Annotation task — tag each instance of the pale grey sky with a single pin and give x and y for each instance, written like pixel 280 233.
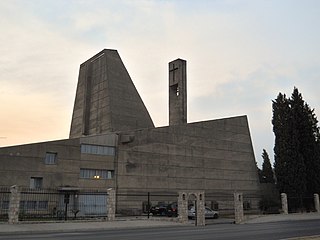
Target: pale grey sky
pixel 240 55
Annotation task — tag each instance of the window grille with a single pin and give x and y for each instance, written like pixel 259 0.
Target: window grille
pixel 50 158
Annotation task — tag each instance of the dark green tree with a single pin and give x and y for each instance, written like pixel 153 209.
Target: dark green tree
pixel 266 172
pixel 307 131
pixel 280 121
pixel 296 147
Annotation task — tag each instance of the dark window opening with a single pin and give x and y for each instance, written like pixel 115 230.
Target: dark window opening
pixel 50 158
pixel 36 182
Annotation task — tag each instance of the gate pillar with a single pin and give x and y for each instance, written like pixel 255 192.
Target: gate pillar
pixel 111 204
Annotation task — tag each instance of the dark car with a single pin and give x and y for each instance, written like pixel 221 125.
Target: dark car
pixel 160 209
pixel 172 210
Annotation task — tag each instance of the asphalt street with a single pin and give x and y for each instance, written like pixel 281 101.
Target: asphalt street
pixel 257 231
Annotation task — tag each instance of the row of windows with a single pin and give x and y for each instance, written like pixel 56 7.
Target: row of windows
pixel 98 150
pixel 37 182
pixel 96 173
pixel 51 157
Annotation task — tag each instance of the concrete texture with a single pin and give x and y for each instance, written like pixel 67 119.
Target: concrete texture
pixel 177 92
pixel 106 98
pixel 20 163
pixel 214 156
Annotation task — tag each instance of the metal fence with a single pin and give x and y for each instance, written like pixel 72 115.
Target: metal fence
pixel 295 204
pixel 300 204
pixel 251 204
pixel 53 204
pixel 160 204
pixel 221 202
pixel 4 203
pixel 48 204
pixel 149 204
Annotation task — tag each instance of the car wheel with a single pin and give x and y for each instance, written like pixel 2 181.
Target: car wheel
pixel 215 216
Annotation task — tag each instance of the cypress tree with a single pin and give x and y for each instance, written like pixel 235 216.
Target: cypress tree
pixel 280 121
pixel 307 130
pixel 266 172
pixel 297 141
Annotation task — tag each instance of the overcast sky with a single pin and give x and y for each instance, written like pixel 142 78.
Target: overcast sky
pixel 240 54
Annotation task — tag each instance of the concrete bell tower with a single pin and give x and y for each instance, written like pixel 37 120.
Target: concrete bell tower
pixel 177 92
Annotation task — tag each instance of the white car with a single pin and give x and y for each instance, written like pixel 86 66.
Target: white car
pixel 209 213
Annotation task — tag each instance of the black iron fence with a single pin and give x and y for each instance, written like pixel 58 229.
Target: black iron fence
pixel 53 204
pixel 149 204
pixel 221 202
pixel 159 204
pixel 48 204
pixel 4 203
pixel 251 204
pixel 295 204
pixel 300 203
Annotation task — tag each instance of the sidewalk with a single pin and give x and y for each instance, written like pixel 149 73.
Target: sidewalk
pixel 282 217
pixel 34 227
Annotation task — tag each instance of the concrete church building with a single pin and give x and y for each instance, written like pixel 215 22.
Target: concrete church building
pixel 113 142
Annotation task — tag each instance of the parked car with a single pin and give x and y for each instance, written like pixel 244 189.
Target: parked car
pixel 172 210
pixel 160 209
pixel 209 213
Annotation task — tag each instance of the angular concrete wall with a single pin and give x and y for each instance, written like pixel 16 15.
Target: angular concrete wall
pixel 106 98
pixel 213 156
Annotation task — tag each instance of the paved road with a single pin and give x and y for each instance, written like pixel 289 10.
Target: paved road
pixel 259 231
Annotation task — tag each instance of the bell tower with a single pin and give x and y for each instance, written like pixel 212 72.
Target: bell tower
pixel 177 92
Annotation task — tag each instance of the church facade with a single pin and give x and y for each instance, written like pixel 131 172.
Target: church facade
pixel 113 143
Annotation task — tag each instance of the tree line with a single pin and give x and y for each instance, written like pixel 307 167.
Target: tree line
pixel 297 148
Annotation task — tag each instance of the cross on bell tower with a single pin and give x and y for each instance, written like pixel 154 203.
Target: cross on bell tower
pixel 177 92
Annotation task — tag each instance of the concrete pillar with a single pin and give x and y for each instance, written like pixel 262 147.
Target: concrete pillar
pixel 111 204
pixel 177 92
pixel 14 204
pixel 238 208
pixel 316 202
pixel 200 221
pixel 183 207
pixel 284 203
